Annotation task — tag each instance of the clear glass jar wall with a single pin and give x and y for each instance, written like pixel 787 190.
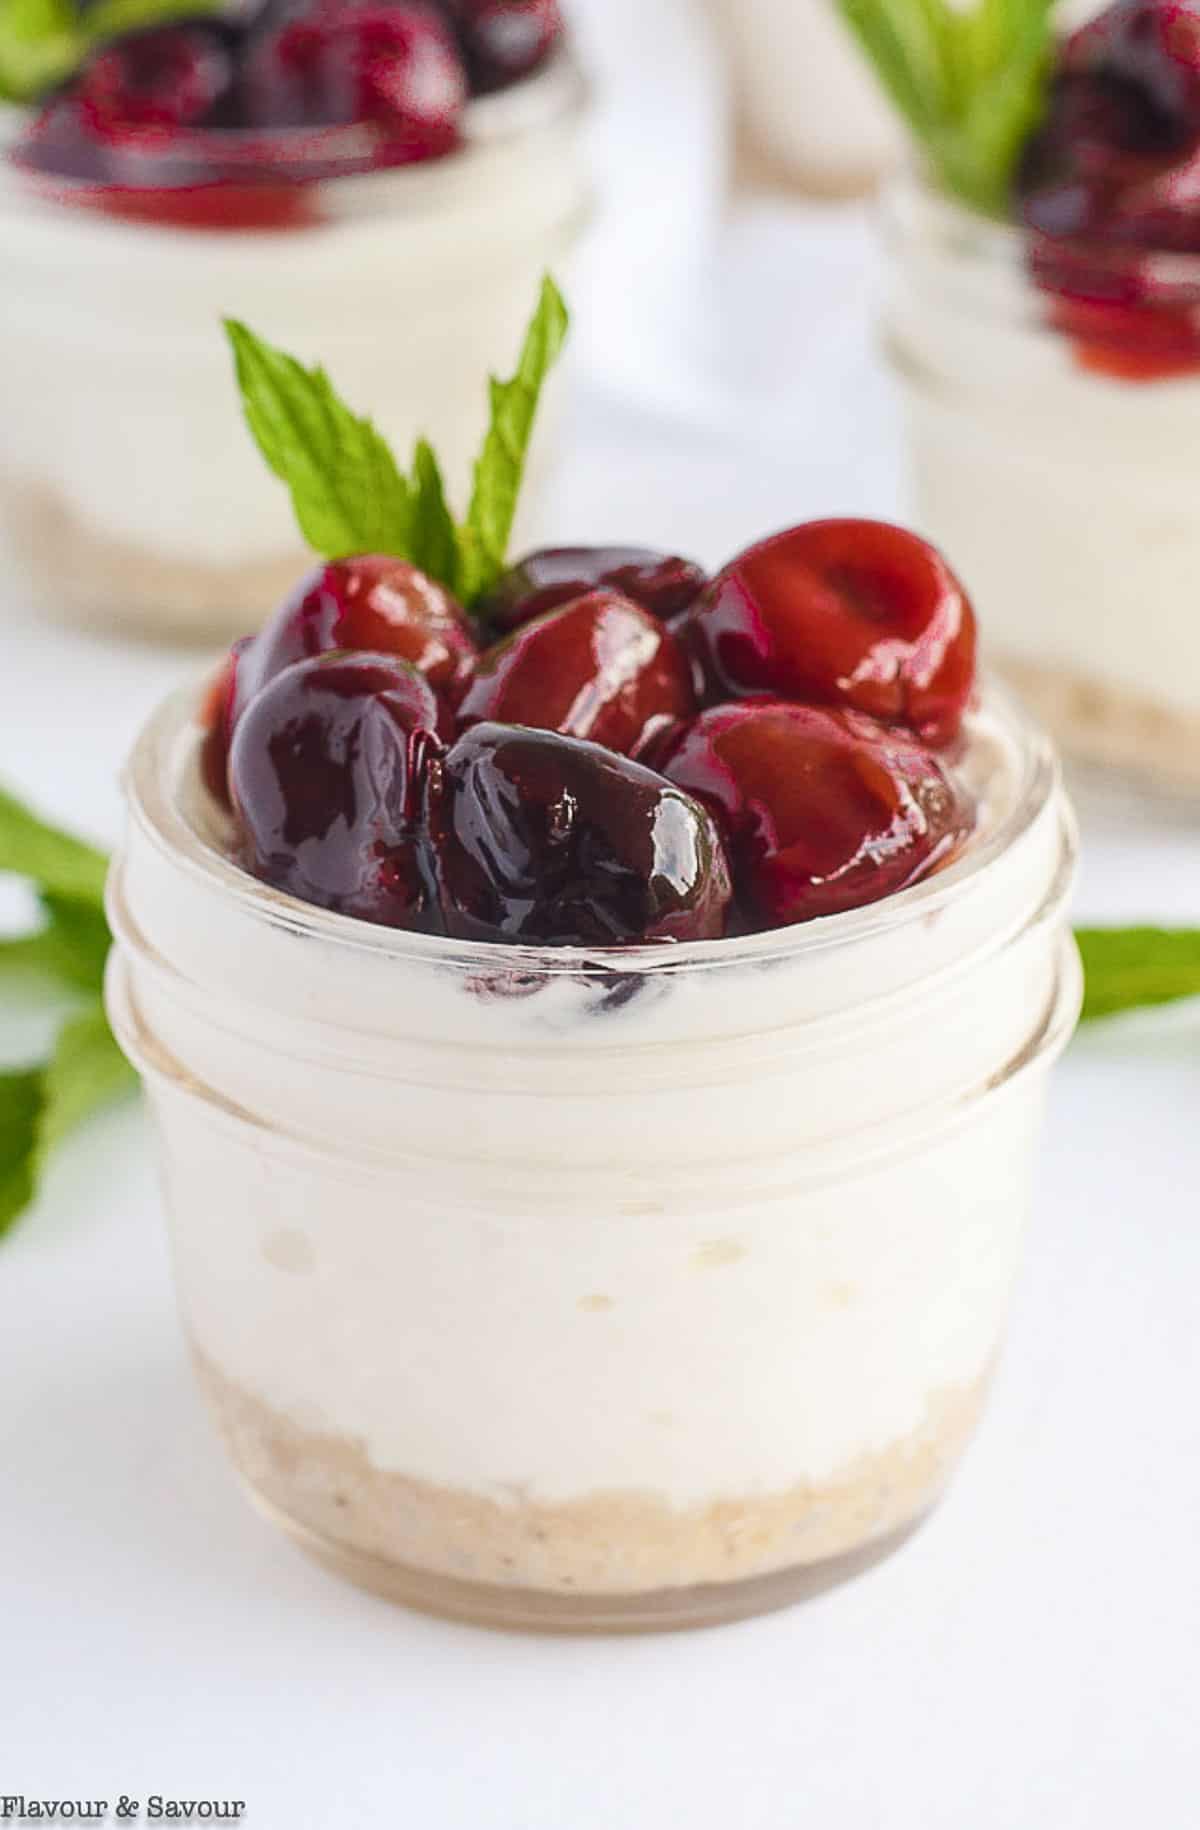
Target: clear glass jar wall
pixel 642 1288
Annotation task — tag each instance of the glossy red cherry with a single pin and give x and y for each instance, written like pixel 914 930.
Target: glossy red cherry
pixel 1114 156
pixel 1110 182
pixel 327 774
pixel 1150 51
pixel 392 65
pixel 1128 316
pixel 372 601
pixel 662 583
pixel 173 76
pixel 599 668
pixel 504 40
pixel 216 719
pixel 854 613
pixel 549 840
pixel 822 810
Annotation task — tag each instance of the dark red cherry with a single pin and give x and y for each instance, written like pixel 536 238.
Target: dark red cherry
pixel 854 613
pixel 172 76
pixel 822 810
pixel 662 583
pixel 1127 314
pixel 327 775
pixel 504 40
pixel 549 840
pixel 217 718
pixel 1112 157
pixel 374 602
pixel 599 668
pixel 1151 48
pixel 392 65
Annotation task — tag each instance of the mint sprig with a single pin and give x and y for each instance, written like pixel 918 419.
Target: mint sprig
pixel 1132 968
pixel 969 81
pixel 501 463
pixel 70 946
pixel 349 494
pixel 41 1103
pixel 43 42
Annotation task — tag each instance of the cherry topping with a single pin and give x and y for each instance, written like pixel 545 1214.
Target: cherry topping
pixel 822 810
pixel 393 65
pixel 660 582
pixel 169 77
pixel 1112 158
pixel 599 668
pixel 504 40
pixel 1128 315
pixel 217 716
pixel 372 601
pixel 854 613
pixel 1147 52
pixel 549 840
pixel 327 773
pixel 1110 180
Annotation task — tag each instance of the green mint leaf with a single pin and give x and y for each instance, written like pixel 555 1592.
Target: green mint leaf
pixel 113 18
pixel 501 462
pixel 903 71
pixel 433 538
pixel 40 1106
pixel 54 860
pixel 86 1070
pixel 347 492
pixel 41 42
pixel 1129 968
pixel 79 935
pixel 970 82
pixel 71 947
pixel 20 1110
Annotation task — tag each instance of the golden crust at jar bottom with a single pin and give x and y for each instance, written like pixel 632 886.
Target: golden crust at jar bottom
pixel 604 1544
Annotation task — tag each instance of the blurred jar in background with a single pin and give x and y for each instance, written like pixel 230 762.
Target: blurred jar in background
pixel 1053 453
pixel 375 187
pixel 810 112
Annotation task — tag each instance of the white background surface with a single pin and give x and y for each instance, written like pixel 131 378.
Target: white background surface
pixel 1026 1663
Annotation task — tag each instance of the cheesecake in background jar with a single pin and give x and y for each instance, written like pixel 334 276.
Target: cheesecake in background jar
pixel 1043 323
pixel 380 183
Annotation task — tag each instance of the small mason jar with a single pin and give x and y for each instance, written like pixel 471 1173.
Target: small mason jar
pixel 131 495
pixel 549 1287
pixel 1070 498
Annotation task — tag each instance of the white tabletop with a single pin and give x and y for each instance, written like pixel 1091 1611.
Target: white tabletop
pixel 1027 1661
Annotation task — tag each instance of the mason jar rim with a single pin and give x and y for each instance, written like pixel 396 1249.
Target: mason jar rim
pixel 168 744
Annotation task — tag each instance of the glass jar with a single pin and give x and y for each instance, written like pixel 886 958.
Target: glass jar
pixel 557 1288
pixel 131 494
pixel 1068 497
